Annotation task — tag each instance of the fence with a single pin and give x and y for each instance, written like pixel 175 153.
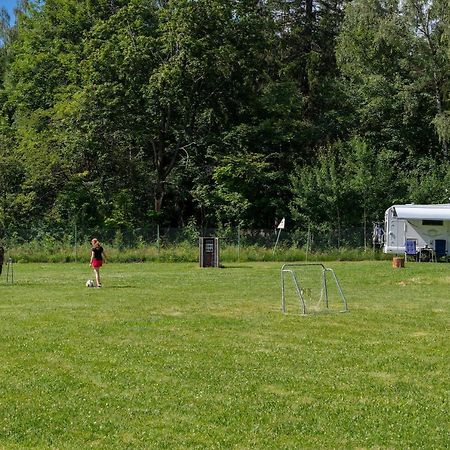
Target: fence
pixel 311 240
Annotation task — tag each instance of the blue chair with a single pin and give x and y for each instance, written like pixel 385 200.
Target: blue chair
pixel 440 248
pixel 411 249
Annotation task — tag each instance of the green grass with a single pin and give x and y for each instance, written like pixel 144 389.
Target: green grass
pixel 171 356
pixel 57 252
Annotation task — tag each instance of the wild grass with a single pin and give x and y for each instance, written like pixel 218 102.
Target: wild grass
pixel 184 252
pixel 171 356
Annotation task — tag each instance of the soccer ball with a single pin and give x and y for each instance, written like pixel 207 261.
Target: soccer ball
pixel 89 283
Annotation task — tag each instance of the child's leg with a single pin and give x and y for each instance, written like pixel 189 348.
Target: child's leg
pixel 97 275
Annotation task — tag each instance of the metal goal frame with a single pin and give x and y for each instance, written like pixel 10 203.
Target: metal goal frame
pixel 290 268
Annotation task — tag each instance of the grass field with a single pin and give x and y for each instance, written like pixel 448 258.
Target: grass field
pixel 171 356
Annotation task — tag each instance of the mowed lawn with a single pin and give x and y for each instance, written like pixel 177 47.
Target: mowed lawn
pixel 171 356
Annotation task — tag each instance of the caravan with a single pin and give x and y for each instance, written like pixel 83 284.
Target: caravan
pixel 423 230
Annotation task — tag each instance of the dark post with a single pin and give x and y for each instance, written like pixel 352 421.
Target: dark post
pixel 209 251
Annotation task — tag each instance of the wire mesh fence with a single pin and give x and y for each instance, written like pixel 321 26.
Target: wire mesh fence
pixel 160 236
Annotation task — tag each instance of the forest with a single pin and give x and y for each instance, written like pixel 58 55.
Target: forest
pixel 124 114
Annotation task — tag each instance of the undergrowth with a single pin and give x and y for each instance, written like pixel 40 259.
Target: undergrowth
pixel 184 252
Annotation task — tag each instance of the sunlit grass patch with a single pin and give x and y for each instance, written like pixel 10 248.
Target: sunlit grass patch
pixel 174 356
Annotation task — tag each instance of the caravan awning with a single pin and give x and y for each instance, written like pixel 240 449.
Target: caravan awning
pixel 423 212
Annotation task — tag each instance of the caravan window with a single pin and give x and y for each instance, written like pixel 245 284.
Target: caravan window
pixel 433 222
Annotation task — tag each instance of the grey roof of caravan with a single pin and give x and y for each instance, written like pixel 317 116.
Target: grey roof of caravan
pixel 422 212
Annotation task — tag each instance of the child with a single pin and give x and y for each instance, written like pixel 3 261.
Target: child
pixel 98 257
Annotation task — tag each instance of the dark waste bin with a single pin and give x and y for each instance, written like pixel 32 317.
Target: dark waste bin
pixel 209 251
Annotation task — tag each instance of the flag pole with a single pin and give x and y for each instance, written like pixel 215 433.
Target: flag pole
pixel 280 227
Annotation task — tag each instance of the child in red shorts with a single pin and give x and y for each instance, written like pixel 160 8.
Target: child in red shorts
pixel 98 257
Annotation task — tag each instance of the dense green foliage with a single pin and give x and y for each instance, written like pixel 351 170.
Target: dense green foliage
pixel 130 113
pixel 170 356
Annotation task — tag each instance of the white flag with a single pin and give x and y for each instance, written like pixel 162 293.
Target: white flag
pixel 281 224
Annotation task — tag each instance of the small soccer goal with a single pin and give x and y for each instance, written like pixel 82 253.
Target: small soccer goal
pixel 312 289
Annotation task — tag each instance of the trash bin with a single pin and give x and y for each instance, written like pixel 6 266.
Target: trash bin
pixel 209 251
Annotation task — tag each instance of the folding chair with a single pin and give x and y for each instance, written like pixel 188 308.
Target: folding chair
pixel 411 249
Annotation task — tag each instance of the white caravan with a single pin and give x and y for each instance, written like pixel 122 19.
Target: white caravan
pixel 427 226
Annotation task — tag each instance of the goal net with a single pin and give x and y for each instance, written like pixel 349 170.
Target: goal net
pixel 312 287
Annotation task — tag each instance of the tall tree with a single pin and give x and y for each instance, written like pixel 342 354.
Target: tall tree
pixel 39 84
pixel 160 79
pixel 380 55
pixel 307 32
pixel 430 23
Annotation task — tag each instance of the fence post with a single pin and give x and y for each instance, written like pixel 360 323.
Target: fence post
pixel 239 242
pixel 157 239
pixel 76 238
pixel 307 241
pixel 365 231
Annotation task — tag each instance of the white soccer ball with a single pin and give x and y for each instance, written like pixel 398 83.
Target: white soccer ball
pixel 89 283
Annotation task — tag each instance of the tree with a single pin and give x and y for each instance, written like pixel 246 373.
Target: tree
pixel 429 21
pixel 40 80
pixel 305 54
pixel 383 59
pixel 159 80
pixel 320 193
pixel 350 183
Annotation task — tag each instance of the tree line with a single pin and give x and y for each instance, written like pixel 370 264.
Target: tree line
pixel 127 113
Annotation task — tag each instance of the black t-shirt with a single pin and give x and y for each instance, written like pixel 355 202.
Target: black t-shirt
pixel 98 253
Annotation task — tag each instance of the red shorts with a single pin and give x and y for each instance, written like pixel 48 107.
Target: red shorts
pixel 97 263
